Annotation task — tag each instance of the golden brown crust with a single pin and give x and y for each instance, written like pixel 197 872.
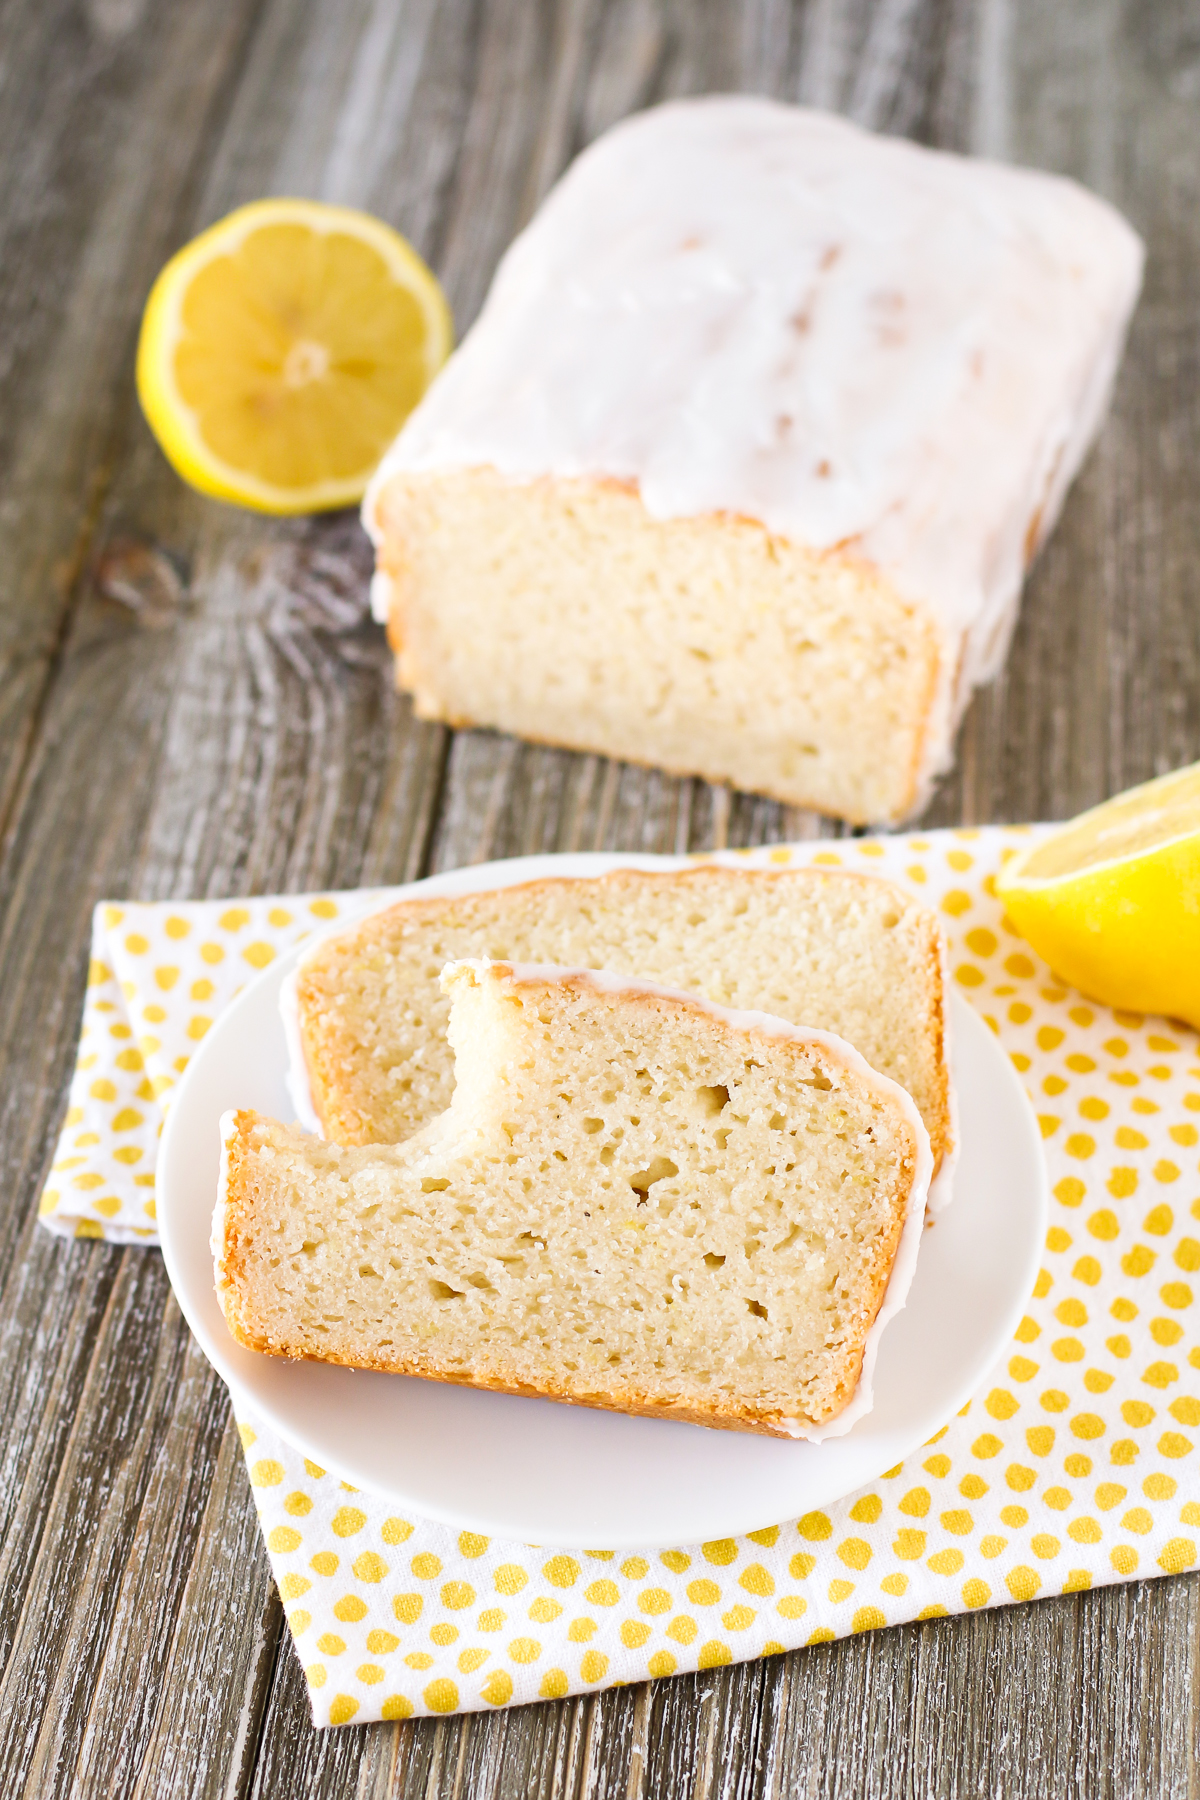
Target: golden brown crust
pixel 921 738
pixel 619 1400
pixel 350 1126
pixel 227 1247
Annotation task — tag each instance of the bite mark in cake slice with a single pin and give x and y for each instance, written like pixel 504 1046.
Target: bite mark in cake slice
pixel 635 1200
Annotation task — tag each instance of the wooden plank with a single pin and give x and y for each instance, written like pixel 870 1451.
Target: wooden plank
pixel 71 1595
pixel 81 238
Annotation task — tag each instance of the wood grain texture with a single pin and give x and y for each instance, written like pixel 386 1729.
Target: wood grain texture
pixel 192 701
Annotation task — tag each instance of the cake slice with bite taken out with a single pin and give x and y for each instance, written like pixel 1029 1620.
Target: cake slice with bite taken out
pixel 636 1200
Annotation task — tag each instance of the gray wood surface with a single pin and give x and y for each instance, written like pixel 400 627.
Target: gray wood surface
pixel 192 701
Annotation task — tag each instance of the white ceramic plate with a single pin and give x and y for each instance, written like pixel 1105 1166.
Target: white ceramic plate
pixel 552 1474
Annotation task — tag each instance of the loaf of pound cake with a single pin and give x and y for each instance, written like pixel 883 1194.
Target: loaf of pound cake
pixel 741 467
pixel 819 947
pixel 634 1200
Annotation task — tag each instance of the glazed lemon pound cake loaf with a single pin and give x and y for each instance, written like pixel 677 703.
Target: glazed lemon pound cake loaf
pixel 824 948
pixel 740 469
pixel 635 1200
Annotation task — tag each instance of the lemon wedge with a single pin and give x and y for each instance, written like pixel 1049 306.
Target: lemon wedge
pixel 1112 901
pixel 282 350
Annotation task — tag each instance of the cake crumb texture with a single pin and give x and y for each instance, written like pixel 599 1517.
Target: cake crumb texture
pixel 633 1201
pixel 827 949
pixel 562 611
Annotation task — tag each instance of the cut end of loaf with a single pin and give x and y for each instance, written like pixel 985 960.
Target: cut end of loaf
pixel 560 610
pixel 635 1200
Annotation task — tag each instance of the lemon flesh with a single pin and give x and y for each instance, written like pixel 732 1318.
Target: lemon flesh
pixel 1112 901
pixel 282 350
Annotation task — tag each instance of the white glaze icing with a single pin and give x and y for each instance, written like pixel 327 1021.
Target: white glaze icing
pixel 904 1265
pixel 764 310
pixel 296 1079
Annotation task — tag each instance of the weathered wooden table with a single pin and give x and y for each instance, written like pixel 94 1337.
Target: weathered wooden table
pixel 193 702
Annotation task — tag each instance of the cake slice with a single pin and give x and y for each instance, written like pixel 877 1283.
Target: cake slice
pixel 819 947
pixel 741 467
pixel 634 1200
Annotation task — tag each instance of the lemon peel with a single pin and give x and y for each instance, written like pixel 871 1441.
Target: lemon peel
pixel 283 348
pixel 1112 900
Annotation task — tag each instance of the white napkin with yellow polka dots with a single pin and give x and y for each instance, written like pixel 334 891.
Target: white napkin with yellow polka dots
pixel 1076 1464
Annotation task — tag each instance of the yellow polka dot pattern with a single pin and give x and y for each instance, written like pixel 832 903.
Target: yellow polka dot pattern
pixel 157 978
pixel 1075 1465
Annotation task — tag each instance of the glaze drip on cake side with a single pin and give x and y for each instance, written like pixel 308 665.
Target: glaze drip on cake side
pixel 756 309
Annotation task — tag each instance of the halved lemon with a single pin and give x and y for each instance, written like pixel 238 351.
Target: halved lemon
pixel 282 350
pixel 1112 901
